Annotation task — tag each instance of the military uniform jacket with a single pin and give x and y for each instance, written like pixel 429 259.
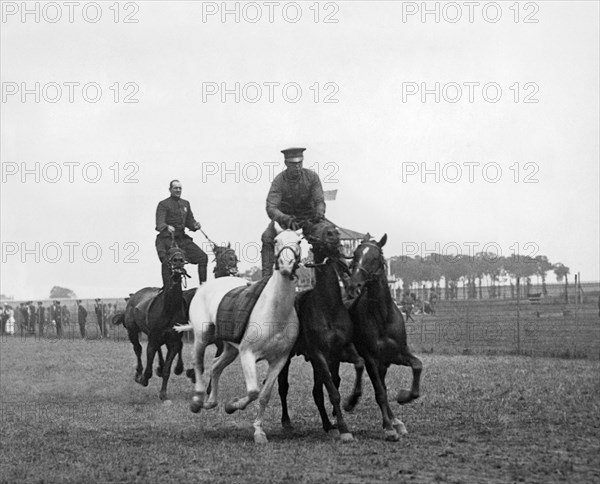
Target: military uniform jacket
pixel 302 198
pixel 175 212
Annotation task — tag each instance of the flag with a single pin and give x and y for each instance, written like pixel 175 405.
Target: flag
pixel 330 194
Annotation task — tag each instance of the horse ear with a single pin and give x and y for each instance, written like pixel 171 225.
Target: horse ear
pixel 278 228
pixel 299 232
pixel 367 237
pixel 383 240
pixel 229 245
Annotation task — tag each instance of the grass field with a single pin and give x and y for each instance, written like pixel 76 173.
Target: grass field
pixel 71 412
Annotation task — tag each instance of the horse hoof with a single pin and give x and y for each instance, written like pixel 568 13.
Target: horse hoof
pixel 230 407
pixel 346 437
pixel 391 436
pixel 404 396
pixel 158 372
pixel 400 427
pixel 334 433
pixel 144 382
pixel 178 371
pixel 195 407
pixel 349 405
pixel 210 405
pixel 260 438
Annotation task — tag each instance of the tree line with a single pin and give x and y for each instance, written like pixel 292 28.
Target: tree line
pixel 474 272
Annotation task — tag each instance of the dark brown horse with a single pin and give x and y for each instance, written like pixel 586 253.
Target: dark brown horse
pixel 155 311
pixel 380 334
pixel 326 331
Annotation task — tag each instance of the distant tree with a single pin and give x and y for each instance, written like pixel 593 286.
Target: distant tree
pixel 543 266
pixel 61 292
pixel 560 270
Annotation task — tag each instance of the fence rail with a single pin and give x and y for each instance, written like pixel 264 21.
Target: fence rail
pixel 548 327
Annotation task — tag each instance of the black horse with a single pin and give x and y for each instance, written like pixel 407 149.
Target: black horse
pixel 155 311
pixel 380 334
pixel 226 261
pixel 326 331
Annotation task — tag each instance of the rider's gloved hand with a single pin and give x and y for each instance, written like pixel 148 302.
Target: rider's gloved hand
pixel 286 221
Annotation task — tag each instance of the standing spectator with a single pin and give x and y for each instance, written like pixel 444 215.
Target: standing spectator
pixel 99 310
pixel 10 319
pixel 25 317
pixel 4 318
pixel 57 318
pixel 81 318
pixel 407 304
pixel 41 318
pixel 32 316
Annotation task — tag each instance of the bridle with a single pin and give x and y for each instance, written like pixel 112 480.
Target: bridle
pixel 231 269
pixel 370 276
pixel 296 258
pixel 177 267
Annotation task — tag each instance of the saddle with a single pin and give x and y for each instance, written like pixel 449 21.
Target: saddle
pixel 235 309
pixel 143 307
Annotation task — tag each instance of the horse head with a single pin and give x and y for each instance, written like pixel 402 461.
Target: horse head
pixel 226 260
pixel 176 261
pixel 368 264
pixel 324 237
pixel 287 251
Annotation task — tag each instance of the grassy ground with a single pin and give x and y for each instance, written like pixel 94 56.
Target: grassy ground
pixel 71 412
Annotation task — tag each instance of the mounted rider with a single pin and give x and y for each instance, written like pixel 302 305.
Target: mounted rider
pixel 295 198
pixel 173 215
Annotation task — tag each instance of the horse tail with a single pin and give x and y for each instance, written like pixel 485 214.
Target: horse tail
pixel 118 318
pixel 180 328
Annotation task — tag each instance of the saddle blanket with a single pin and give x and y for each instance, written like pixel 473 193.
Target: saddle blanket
pixel 235 309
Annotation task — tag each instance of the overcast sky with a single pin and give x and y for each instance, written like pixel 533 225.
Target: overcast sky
pixel 471 132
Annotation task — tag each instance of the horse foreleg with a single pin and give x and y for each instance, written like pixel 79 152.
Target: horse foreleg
pixel 284 386
pixel 381 398
pixel 398 425
pixel 134 337
pixel 173 348
pixel 359 368
pixel 227 356
pixel 151 349
pixel 319 397
pixel 248 361
pixel 179 366
pixel 328 378
pixel 275 368
pixel 161 362
pixel 405 396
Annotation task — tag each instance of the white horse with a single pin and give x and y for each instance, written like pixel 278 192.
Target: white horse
pixel 270 335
